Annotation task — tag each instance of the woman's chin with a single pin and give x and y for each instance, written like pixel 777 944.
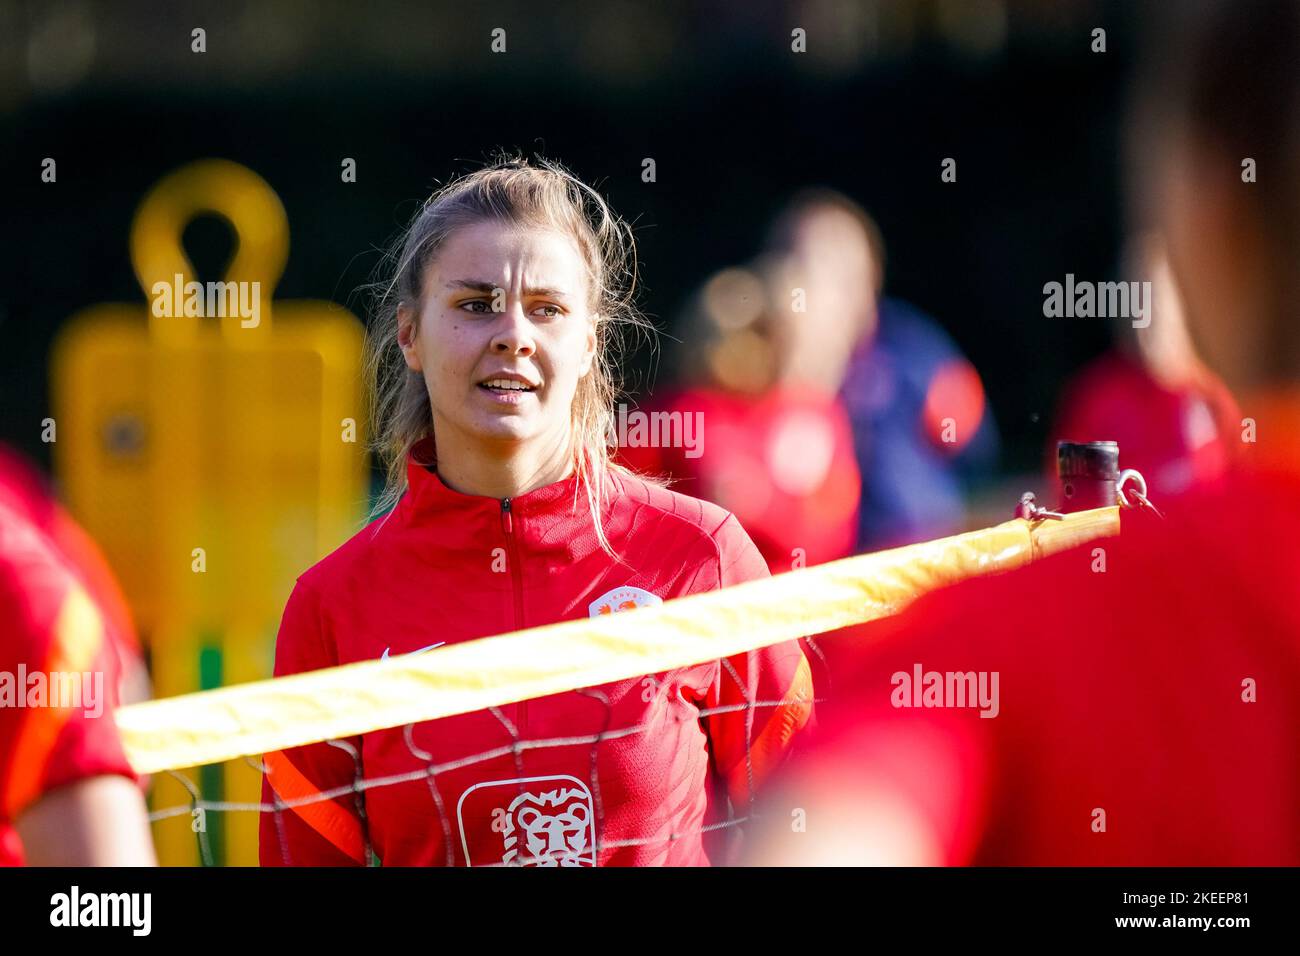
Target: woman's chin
pixel 515 428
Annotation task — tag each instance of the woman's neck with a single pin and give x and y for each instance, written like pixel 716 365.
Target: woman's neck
pixel 503 471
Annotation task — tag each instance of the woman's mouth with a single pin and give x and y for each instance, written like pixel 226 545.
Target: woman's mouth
pixel 507 391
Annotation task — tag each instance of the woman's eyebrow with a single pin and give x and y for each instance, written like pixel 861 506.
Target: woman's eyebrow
pixel 478 285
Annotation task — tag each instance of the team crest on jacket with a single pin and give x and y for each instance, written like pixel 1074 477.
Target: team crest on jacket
pixel 623 599
pixel 539 821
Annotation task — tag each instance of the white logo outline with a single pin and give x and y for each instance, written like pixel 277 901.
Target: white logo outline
pixel 589 853
pixel 627 594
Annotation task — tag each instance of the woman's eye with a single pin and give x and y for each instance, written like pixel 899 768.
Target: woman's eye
pixel 550 311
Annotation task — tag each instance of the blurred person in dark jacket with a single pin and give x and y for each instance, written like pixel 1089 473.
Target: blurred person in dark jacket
pixel 921 427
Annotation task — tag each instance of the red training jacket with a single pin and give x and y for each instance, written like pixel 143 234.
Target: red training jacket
pixel 446 567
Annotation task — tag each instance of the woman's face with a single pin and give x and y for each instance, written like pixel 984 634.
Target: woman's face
pixel 503 335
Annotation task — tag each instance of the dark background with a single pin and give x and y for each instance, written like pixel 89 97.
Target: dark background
pixel 710 90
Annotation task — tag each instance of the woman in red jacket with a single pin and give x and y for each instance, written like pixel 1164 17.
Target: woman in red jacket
pixel 493 389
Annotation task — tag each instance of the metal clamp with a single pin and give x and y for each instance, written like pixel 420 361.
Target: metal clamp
pixel 1030 510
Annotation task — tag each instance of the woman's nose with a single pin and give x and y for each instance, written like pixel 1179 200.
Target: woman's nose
pixel 514 333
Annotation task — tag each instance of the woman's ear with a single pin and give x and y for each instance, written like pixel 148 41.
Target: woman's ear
pixel 406 325
pixel 589 356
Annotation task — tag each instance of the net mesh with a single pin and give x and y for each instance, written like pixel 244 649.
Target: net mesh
pixel 209 751
pixel 212 826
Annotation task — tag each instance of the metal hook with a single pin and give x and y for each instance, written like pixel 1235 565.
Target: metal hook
pixel 1139 493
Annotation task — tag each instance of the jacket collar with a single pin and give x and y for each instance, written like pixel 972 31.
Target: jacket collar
pixel 427 495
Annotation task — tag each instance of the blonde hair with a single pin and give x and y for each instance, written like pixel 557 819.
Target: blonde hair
pixel 508 190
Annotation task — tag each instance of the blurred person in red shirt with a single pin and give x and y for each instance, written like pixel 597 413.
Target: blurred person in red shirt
pixel 1134 701
pixel 756 424
pixel 68 796
pixel 25 496
pixel 25 491
pixel 1173 418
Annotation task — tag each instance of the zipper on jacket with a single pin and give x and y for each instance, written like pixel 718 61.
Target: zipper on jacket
pixel 516 576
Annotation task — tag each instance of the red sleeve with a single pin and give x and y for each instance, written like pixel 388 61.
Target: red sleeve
pixel 771 688
pixel 58 676
pixel 310 829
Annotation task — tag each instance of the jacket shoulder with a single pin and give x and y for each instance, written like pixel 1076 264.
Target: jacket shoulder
pixel 340 563
pixel 695 512
pixel 710 527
